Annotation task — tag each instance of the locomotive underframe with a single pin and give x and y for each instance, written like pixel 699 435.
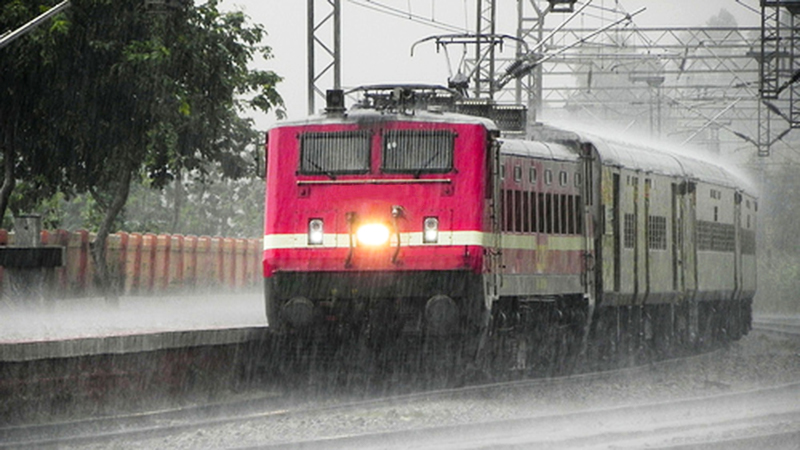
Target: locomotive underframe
pixel 376 303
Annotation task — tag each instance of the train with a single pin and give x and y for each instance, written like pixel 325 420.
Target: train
pixel 417 212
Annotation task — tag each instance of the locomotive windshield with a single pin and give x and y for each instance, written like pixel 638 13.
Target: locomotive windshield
pixel 334 153
pixel 418 151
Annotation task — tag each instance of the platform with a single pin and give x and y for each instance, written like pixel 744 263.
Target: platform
pixel 77 327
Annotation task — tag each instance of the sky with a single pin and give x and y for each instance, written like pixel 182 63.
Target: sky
pixel 376 46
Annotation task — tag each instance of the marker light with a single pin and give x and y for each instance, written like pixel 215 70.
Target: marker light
pixel 315 232
pixel 373 234
pixel 430 230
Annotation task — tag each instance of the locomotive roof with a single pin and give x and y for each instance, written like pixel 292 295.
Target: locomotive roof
pixel 650 158
pixel 368 115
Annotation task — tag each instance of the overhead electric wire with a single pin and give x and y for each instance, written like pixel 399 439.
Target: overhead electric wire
pixel 611 10
pixel 408 15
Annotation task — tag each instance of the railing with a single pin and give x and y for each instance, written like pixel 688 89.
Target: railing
pixel 143 264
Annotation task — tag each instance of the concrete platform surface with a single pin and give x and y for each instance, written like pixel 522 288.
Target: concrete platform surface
pixel 73 327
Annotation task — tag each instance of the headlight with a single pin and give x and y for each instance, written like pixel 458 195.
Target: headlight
pixel 315 232
pixel 430 230
pixel 373 234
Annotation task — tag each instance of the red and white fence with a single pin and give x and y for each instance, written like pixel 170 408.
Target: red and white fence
pixel 142 264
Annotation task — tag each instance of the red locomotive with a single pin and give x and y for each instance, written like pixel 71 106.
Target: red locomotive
pixel 415 211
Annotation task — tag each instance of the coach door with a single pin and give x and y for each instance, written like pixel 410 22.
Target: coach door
pixel 590 210
pixel 737 267
pixel 685 250
pixel 686 258
pixel 615 218
pixel 677 239
pixel 493 259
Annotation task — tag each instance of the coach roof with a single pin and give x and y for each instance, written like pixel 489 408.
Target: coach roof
pixel 649 158
pixel 538 149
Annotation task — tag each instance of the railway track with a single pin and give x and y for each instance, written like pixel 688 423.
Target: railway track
pixel 419 414
pixel 773 415
pixel 170 421
pixel 778 325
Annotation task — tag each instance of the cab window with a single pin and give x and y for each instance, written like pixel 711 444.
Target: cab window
pixel 418 151
pixel 335 153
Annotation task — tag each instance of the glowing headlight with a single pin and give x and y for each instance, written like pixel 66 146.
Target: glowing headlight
pixel 315 232
pixel 430 230
pixel 373 234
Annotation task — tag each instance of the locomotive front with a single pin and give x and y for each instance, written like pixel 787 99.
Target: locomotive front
pixel 375 221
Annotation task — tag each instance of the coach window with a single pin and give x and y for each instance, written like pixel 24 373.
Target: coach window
pixel 532 174
pixel 562 178
pixel 541 213
pixel 526 211
pixel 548 177
pixel 629 238
pixel 517 173
pixel 518 213
pixel 578 181
pixel 503 172
pixel 508 209
pixel 418 151
pixel 570 214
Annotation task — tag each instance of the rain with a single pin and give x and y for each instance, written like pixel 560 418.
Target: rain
pixel 151 295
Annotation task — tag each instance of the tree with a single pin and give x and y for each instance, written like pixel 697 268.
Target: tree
pixel 723 19
pixel 24 90
pixel 137 93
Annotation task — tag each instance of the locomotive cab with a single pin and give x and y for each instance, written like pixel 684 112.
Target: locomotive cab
pixel 376 219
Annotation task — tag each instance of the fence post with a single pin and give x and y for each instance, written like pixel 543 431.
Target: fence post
pixel 133 265
pixel 116 257
pixel 148 263
pixel 206 262
pixel 175 262
pixel 190 262
pixel 78 262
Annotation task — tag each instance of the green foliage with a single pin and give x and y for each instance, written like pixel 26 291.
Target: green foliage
pixel 724 19
pixel 116 91
pixel 112 87
pixel 218 207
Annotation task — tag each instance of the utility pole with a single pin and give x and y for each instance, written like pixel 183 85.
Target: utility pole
pixel 485 57
pixel 779 60
pixel 530 27
pixel 329 45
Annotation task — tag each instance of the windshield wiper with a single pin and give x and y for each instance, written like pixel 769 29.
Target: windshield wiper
pixel 425 166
